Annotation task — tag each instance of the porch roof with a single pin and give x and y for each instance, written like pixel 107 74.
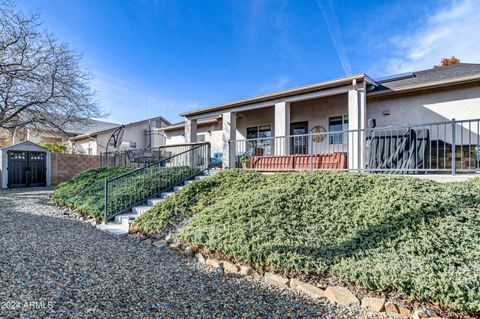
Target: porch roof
pixel 281 94
pixel 429 78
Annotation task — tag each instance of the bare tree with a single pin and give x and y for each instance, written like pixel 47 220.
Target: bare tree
pixel 41 82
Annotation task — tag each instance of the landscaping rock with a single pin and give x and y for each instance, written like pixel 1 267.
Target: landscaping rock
pixel 255 275
pixel 424 313
pixel 62 261
pixel 419 314
pixel 230 268
pixel 213 263
pixel 246 270
pixel 311 290
pixel 430 313
pixel 160 243
pixel 275 280
pixel 293 283
pixel 404 311
pixel 175 245
pixel 391 308
pixel 188 252
pixel 341 296
pixel 200 258
pixel 147 242
pixel 373 304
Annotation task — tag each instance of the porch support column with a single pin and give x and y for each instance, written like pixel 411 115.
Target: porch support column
pixel 190 131
pixel 362 97
pixel 356 121
pixel 229 128
pixel 281 128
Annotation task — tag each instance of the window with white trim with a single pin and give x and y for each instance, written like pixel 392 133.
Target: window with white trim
pixel 338 124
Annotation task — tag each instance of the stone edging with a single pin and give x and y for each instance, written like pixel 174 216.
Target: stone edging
pixel 335 294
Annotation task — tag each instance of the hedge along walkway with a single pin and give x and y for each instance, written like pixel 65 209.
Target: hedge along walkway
pixel 78 271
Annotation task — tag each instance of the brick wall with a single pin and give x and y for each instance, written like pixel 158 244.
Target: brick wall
pixel 65 166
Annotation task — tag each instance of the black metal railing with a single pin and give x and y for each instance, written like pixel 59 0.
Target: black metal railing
pixel 437 147
pixel 142 157
pixel 124 191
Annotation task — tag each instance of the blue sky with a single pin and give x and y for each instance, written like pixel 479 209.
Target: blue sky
pixel 174 56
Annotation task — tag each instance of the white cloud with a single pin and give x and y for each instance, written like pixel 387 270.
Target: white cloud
pixel 451 31
pixel 126 102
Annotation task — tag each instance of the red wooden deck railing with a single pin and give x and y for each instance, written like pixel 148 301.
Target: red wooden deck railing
pixel 329 161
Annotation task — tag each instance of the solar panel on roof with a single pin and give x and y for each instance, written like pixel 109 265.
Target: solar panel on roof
pixel 395 77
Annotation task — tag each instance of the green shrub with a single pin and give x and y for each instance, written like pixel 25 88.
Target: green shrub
pixel 55 147
pixel 146 183
pixel 195 197
pixel 380 232
pixel 85 191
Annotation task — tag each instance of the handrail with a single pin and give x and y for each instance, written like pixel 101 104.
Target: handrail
pixel 374 129
pixel 444 146
pixel 140 157
pixel 129 189
pixel 151 164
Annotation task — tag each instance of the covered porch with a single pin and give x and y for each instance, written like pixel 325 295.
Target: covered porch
pixel 304 128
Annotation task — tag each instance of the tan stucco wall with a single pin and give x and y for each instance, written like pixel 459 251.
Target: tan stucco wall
pixel 259 117
pixel 211 133
pixel 173 137
pixel 438 106
pixel 316 112
pixel 132 134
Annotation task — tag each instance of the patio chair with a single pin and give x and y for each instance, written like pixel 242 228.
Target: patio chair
pixel 217 159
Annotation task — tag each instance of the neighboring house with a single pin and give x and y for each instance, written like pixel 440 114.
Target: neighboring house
pixel 433 95
pixel 208 130
pixel 137 135
pixel 38 135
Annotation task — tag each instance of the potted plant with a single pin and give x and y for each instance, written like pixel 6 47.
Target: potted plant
pixel 245 159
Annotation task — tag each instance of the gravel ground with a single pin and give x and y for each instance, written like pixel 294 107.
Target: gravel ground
pixel 53 266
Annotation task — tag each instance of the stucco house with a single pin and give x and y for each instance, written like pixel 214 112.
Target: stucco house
pixel 137 135
pixel 38 134
pixel 273 124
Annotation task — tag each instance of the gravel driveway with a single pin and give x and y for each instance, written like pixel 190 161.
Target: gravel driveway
pixel 52 266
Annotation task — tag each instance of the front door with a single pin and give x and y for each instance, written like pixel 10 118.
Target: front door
pixel 299 144
pixel 26 169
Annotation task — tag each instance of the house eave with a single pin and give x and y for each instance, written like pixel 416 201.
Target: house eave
pixel 429 85
pixel 280 94
pixel 182 125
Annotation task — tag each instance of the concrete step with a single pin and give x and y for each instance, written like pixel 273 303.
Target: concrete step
pixel 165 195
pixel 139 210
pixel 114 229
pixel 200 177
pixel 124 218
pixel 188 182
pixel 212 171
pixel 178 188
pixel 155 201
